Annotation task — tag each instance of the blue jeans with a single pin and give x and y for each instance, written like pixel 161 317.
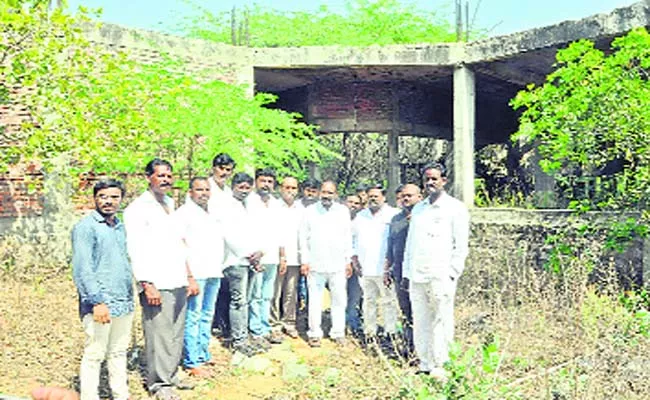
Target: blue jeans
pixel 353 309
pixel 262 288
pixel 198 323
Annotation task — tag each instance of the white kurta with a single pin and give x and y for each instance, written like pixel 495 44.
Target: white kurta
pixel 326 246
pixel 370 239
pixel 436 248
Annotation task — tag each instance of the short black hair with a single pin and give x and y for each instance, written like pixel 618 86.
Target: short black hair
pixel 223 159
pixel 265 172
pixel 310 183
pixel 241 177
pixel 197 178
pixel 399 188
pixel 151 165
pixel 435 165
pixel 378 186
pixel 361 187
pixel 336 186
pixel 108 183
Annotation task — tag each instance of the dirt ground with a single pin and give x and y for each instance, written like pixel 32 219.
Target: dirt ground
pixel 42 342
pixel 536 350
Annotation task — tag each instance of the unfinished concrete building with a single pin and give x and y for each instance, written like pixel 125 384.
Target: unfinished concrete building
pixel 454 91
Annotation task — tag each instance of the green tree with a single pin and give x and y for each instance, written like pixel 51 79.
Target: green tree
pixel 364 23
pixel 108 114
pixel 591 122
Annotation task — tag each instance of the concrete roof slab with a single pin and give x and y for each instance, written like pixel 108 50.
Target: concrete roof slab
pixel 618 22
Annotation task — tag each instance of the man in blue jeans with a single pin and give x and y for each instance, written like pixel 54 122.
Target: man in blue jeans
pixel 204 241
pixel 266 214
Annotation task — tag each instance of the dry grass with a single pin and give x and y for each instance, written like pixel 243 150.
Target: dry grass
pixel 557 338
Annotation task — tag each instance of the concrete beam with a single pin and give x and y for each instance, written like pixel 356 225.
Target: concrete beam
pixel 464 127
pixel 616 23
pixel 317 56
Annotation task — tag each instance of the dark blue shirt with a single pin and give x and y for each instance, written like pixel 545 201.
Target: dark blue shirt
pixel 100 266
pixel 399 228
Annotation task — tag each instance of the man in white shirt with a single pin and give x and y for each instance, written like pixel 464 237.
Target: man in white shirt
pixel 353 307
pixel 285 299
pixel 241 264
pixel 223 166
pixel 158 262
pixel 436 249
pixel 325 251
pixel 204 241
pixel 369 242
pixel 220 193
pixel 266 215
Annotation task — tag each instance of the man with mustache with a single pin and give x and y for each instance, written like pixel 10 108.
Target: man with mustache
pixel 158 261
pixel 362 191
pixel 353 307
pixel 409 195
pixel 369 241
pixel 436 248
pixel 242 264
pixel 204 239
pixel 310 192
pixel 325 251
pixel 223 166
pixel 103 277
pixel 266 213
pixel 221 194
pixel 283 309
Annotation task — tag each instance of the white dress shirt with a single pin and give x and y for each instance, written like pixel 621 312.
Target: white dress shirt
pixel 220 199
pixel 239 224
pixel 154 243
pixel 203 238
pixel 267 220
pixel 291 218
pixel 326 238
pixel 370 239
pixel 437 241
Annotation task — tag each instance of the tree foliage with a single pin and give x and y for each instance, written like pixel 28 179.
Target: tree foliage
pixel 364 23
pixel 110 114
pixel 591 120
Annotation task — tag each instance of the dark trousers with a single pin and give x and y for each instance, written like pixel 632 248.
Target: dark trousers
pixel 404 300
pixel 238 277
pixel 285 299
pixel 221 315
pixel 353 308
pixel 163 328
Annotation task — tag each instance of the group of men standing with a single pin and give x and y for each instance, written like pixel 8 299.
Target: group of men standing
pixel 264 247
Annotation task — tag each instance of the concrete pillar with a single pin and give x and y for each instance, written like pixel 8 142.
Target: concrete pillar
pixel 393 165
pixel 544 195
pixel 393 172
pixel 464 127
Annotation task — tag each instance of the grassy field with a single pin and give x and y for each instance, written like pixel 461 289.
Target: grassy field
pixel 594 346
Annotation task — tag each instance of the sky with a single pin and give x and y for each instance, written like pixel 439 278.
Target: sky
pixel 501 16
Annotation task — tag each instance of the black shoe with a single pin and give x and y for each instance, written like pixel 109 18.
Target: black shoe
pixel 260 343
pixel 246 349
pixel 275 338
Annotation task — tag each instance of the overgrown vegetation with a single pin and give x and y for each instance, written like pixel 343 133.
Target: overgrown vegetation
pixel 110 114
pixel 591 120
pixel 363 23
pixel 104 113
